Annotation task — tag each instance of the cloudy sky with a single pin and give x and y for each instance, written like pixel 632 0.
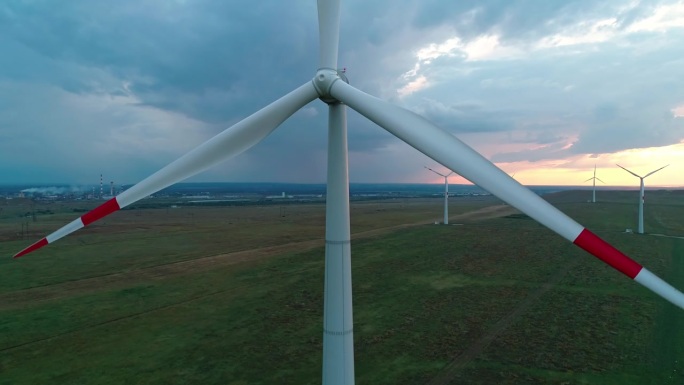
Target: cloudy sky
pixel 544 89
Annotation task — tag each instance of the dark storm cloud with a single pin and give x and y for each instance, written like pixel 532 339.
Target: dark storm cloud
pixel 175 55
pixel 139 83
pixel 612 97
pixel 513 20
pixel 465 117
pixel 552 151
pixel 617 130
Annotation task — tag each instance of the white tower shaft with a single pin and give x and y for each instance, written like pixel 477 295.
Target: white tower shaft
pixel 338 335
pixel 446 193
pixel 640 228
pixel 593 190
pixel 446 200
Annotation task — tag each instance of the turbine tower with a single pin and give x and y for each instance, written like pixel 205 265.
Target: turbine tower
pixel 331 86
pixel 640 228
pixel 593 190
pixel 446 193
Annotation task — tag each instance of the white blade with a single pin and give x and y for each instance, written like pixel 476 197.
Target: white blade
pixel 653 172
pixel 630 171
pixel 454 154
pixel 230 142
pixel 444 148
pixel 599 179
pixel 329 32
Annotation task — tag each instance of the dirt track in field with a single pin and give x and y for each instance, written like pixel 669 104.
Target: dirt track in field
pixel 453 368
pixel 24 297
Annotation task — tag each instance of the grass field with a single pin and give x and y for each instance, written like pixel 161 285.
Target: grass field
pixel 495 300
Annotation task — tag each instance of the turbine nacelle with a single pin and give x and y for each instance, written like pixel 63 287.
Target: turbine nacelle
pixel 439 173
pixel 323 82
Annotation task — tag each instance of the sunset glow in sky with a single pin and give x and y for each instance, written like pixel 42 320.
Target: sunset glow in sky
pixel 546 90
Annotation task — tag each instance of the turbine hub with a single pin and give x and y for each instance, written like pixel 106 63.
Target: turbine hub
pixel 323 82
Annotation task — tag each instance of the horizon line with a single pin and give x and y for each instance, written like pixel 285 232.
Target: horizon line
pixel 62 184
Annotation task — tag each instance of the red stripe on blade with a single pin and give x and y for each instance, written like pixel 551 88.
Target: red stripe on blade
pixel 100 211
pixel 33 247
pixel 607 253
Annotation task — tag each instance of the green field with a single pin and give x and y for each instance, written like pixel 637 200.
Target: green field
pixel 490 301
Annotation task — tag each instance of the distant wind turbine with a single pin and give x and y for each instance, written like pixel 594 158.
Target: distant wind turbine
pixel 446 193
pixel 593 191
pixel 640 229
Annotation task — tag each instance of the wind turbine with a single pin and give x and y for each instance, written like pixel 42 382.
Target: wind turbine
pixel 446 193
pixel 640 228
pixel 331 86
pixel 593 190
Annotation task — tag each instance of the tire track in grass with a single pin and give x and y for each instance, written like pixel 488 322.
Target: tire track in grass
pixel 90 285
pixel 160 271
pixel 151 310
pixel 447 375
pixel 30 296
pixel 112 281
pixel 122 318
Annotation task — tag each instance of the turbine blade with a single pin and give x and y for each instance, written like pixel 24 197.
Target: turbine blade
pixel 653 172
pixel 628 171
pixel 444 148
pixel 230 142
pixel 329 32
pixel 589 179
pixel 598 179
pixel 438 173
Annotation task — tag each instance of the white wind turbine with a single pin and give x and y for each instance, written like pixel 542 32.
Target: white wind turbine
pixel 640 228
pixel 593 190
pixel 446 193
pixel 332 88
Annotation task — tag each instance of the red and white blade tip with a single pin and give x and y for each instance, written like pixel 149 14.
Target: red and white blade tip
pixel 97 213
pixel 33 247
pixel 619 261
